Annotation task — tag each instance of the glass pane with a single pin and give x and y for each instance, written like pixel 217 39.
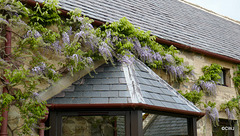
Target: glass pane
pixel 158 125
pixel 221 80
pixel 93 126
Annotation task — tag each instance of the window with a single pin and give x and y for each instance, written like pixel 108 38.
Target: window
pixel 93 125
pixel 225 77
pixel 225 128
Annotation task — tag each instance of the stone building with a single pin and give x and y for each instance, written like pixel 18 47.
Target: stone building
pixel 202 36
pixel 130 92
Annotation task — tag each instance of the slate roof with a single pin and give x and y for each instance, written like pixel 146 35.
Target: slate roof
pixel 122 83
pixel 167 126
pixel 168 19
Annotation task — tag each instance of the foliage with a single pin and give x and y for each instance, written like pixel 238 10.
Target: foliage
pixel 236 78
pixel 207 82
pixel 122 40
pixel 212 112
pixel 230 107
pixel 193 96
pixel 75 44
pixel 47 15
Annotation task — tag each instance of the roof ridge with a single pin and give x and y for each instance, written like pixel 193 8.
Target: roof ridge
pixel 210 11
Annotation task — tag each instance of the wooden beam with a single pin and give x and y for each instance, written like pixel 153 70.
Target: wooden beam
pixel 66 81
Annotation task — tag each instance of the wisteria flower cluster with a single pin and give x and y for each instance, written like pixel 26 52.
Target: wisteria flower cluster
pixel 208 81
pixel 127 43
pixel 43 69
pixel 230 113
pixel 231 107
pixel 207 86
pixel 213 114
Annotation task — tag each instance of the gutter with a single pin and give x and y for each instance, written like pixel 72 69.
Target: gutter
pixel 98 23
pixel 122 106
pixel 7 54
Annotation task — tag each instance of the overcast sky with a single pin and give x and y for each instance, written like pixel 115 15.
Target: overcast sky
pixel 229 8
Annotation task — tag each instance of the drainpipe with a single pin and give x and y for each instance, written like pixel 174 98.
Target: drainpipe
pixel 5 90
pixel 42 124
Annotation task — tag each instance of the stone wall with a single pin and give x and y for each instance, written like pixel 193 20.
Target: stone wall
pixel 224 93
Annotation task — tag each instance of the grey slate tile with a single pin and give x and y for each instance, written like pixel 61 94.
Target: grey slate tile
pixel 118 87
pixel 157 103
pixel 83 87
pixel 99 100
pixel 101 87
pixel 122 80
pixel 168 98
pixel 123 94
pixel 109 94
pixel 62 100
pixel 81 100
pixel 118 100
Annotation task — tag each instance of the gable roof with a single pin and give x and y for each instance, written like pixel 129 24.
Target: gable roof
pixel 170 20
pixel 121 83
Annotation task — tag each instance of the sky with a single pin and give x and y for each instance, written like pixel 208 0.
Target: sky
pixel 229 8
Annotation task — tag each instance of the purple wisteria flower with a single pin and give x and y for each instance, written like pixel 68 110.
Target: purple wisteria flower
pixel 105 50
pixel 37 34
pixel 3 20
pixel 29 33
pixel 41 69
pixel 78 35
pixel 92 41
pixel 230 114
pixel 196 87
pixel 128 58
pixel 79 19
pixel 213 114
pixel 209 86
pixel 108 34
pixel 57 47
pixel 69 32
pixel 7 7
pixel 146 54
pixel 75 57
pixel 157 56
pixel 114 38
pixel 180 71
pixel 86 26
pixel 89 60
pixel 20 22
pixel 169 58
pixel 53 71
pixel 35 94
pixel 33 33
pixel 171 70
pixel 65 38
pixel 137 46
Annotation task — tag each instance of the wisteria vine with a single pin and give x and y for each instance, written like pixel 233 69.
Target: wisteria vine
pixel 209 80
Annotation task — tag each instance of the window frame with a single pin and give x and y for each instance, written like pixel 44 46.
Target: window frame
pixel 133 119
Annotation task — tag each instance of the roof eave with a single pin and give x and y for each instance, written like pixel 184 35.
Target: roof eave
pixel 121 106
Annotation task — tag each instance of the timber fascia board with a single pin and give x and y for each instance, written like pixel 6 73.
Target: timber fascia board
pixel 66 81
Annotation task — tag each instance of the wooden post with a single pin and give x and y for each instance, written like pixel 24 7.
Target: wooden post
pixel 192 126
pixel 136 123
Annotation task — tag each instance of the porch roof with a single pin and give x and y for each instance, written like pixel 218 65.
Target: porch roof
pixel 123 84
